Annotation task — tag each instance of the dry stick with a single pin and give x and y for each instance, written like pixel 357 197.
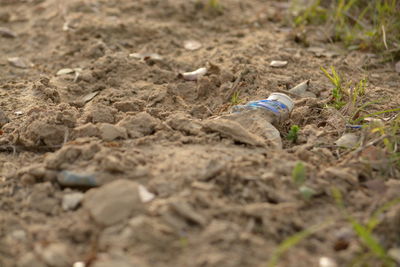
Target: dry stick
pixel 384 37
pixel 66 135
pixel 373 142
pixel 355 19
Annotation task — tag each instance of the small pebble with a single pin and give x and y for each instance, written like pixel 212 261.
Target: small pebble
pixel 278 63
pixel 194 75
pixel 79 264
pixel 145 195
pixel 327 262
pixel 71 201
pixel 19 62
pixel 7 33
pixel 192 45
pixel 65 71
pixel 146 56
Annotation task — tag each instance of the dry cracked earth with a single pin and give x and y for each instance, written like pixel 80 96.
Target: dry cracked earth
pixel 108 157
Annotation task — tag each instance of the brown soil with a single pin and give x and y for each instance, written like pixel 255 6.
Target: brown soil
pixel 220 199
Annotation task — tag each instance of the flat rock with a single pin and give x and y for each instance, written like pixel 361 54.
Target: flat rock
pixel 183 123
pixel 113 202
pixel 301 88
pixel 347 140
pixel 110 132
pixel 19 62
pixel 234 130
pixel 256 122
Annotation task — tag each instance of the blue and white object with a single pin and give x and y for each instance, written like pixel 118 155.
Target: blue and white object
pixel 277 103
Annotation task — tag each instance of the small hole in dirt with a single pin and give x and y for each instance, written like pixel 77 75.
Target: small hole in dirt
pixel 321 124
pixel 362 178
pixel 258 221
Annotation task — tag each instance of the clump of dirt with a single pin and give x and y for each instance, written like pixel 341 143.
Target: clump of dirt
pixel 118 161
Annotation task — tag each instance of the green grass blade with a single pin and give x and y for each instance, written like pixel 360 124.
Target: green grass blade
pixel 367 238
pixel 293 133
pixel 377 113
pixel 374 220
pixel 328 75
pixel 293 241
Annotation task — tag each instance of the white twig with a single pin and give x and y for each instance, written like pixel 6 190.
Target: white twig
pixel 66 135
pixel 384 37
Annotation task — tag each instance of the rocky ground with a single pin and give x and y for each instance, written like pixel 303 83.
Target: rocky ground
pixel 108 157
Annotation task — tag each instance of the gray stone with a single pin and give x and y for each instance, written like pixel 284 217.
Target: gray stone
pixel 77 179
pixel 71 201
pixel 113 202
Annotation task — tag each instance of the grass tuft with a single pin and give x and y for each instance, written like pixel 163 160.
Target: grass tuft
pixel 338 91
pixel 342 92
pixel 235 99
pixel 299 173
pixel 293 133
pixel 359 24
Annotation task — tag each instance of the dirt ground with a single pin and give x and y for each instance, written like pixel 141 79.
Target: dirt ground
pixel 191 194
